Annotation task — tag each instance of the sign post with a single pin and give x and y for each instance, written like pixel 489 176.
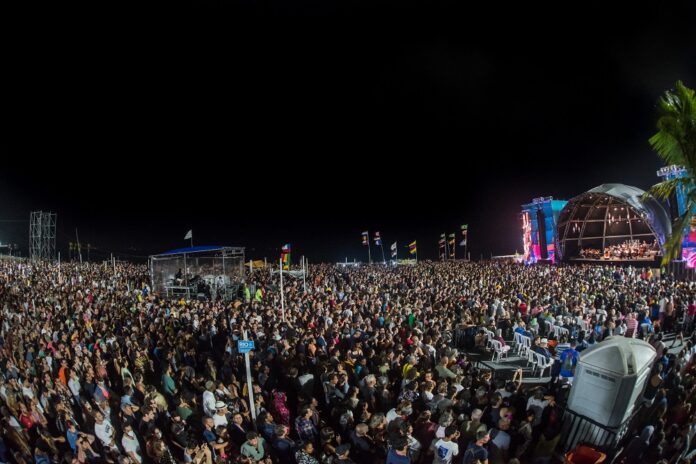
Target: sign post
pixel 244 347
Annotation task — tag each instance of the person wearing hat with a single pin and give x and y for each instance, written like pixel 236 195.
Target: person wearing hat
pixel 220 417
pixel 342 452
pixel 543 348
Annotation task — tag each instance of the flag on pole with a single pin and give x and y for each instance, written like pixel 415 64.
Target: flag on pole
pixel 189 235
pixel 393 250
pixel 285 256
pixel 412 248
pixel 465 229
pixel 378 240
pixel 451 239
pixel 365 238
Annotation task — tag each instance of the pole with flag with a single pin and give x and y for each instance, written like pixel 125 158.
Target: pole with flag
pixel 442 246
pixel 465 231
pixel 394 252
pixel 282 293
pixel 451 241
pixel 304 274
pixel 378 242
pixel 285 256
pixel 413 249
pixel 366 242
pixel 189 236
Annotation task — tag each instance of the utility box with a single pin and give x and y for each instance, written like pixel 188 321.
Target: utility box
pixel 609 379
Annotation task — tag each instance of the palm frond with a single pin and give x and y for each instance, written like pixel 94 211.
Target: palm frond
pixel 664 189
pixel 673 243
pixel 668 148
pixel 675 141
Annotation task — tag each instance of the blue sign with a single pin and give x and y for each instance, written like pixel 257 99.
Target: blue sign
pixel 245 346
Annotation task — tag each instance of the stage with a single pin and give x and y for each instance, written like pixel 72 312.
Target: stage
pixel 651 262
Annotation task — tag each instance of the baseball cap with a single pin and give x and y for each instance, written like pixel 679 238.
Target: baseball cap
pixel 220 405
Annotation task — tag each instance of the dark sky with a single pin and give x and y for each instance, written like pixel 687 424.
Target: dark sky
pixel 292 134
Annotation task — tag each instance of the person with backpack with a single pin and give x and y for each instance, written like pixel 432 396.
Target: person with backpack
pixel 569 359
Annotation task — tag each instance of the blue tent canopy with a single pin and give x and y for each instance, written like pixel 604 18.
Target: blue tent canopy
pixel 196 249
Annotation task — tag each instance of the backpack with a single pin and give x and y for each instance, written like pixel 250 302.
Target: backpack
pixel 568 363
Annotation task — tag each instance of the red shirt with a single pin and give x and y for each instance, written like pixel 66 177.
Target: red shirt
pixel 26 421
pixel 523 308
pixel 692 310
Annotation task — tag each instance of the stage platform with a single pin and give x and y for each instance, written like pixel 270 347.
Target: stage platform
pixel 506 368
pixel 614 260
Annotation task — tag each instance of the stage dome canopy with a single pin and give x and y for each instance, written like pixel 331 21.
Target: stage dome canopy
pixel 600 221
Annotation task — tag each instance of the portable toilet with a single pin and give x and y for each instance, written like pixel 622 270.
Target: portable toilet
pixel 609 378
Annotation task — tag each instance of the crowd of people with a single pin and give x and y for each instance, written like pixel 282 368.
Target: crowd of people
pixel 368 365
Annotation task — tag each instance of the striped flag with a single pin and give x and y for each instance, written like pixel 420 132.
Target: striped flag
pixel 365 238
pixel 465 230
pixel 393 250
pixel 412 248
pixel 378 240
pixel 285 256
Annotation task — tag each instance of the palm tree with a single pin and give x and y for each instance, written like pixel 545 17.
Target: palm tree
pixel 675 143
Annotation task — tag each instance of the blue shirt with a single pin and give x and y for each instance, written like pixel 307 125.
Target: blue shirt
pixel 393 458
pixel 209 436
pixel 574 356
pixel 72 439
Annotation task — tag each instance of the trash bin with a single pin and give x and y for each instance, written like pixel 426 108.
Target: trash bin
pixel 582 454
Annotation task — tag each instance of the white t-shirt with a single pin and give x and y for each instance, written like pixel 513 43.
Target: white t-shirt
pixel 131 445
pixel 445 451
pixel 538 407
pixel 104 431
pixel 219 420
pixel 391 415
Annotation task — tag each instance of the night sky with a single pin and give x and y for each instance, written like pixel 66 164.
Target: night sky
pixel 289 134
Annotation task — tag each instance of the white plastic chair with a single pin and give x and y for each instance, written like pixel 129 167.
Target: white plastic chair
pixel 542 363
pixel 526 345
pixel 498 350
pixel 517 338
pixel 561 331
pixel 531 359
pixel 489 337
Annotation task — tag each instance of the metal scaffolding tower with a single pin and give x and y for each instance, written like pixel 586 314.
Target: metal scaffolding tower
pixel 42 235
